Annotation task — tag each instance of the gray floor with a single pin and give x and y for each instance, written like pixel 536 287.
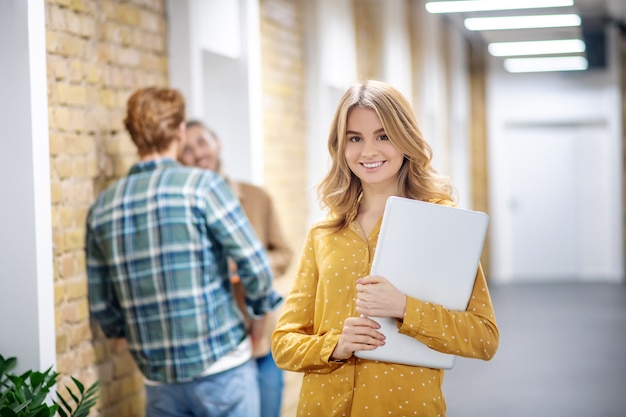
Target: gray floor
pixel 562 353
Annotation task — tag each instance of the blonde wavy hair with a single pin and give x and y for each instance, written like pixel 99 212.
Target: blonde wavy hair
pixel 340 191
pixel 153 117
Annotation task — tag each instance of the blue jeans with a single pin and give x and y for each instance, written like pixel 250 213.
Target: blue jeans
pixel 271 386
pixel 232 393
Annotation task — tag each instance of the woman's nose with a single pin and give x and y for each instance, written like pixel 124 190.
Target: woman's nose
pixel 369 148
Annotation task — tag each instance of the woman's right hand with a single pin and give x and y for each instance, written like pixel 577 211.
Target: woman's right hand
pixel 359 333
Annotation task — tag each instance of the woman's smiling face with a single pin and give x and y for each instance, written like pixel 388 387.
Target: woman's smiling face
pixel 368 152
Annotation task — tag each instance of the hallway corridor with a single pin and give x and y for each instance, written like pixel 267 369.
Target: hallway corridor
pixel 562 353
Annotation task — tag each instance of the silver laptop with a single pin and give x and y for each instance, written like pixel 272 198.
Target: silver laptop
pixel 430 252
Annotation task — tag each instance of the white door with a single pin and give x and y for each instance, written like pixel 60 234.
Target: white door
pixel 560 203
pixel 543 204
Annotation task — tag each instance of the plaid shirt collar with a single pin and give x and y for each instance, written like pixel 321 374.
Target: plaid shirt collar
pixel 152 165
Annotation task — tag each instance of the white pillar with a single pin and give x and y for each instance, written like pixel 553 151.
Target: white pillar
pixel 27 326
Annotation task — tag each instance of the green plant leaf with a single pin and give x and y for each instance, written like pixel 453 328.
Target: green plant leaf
pixel 81 387
pixel 19 406
pixel 36 379
pixel 6 364
pixel 25 395
pixel 7 412
pixel 62 412
pixel 43 381
pixel 74 397
pixel 84 402
pixel 42 410
pixel 17 381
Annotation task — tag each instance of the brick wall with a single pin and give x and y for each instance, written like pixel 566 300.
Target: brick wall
pixel 478 148
pixel 98 52
pixel 368 39
pixel 284 84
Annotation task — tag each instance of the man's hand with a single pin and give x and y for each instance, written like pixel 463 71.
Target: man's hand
pixel 257 327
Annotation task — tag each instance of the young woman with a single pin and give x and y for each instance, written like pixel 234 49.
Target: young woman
pixel 377 151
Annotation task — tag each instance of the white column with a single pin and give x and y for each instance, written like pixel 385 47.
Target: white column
pixel 215 61
pixel 396 65
pixel 27 326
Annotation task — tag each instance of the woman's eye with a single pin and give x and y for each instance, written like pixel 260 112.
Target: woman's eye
pixel 354 139
pixel 383 137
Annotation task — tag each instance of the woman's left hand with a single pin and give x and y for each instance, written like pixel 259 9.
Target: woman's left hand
pixel 377 297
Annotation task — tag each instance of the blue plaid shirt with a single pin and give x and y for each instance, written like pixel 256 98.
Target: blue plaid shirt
pixel 157 245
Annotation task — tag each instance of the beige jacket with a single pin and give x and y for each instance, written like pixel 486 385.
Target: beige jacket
pixel 258 206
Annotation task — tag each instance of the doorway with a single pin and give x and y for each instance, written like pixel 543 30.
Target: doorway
pixel 560 203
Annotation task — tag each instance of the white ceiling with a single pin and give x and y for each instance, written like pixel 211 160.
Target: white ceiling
pixel 593 12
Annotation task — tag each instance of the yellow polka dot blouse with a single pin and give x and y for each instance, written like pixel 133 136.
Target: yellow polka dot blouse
pixel 324 295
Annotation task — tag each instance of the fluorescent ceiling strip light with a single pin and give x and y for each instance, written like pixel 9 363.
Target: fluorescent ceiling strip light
pixel 565 63
pixel 563 46
pixel 483 5
pixel 522 22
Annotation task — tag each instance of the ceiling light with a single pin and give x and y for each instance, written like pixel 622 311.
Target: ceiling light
pixel 482 5
pixel 565 63
pixel 563 46
pixel 522 22
pixel 457 6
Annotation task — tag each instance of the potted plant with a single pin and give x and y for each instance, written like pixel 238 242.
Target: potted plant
pixel 25 395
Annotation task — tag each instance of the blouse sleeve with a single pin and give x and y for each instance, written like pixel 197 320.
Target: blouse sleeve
pixel 295 346
pixel 472 333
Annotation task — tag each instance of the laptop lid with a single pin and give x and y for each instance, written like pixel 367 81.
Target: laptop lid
pixel 430 252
